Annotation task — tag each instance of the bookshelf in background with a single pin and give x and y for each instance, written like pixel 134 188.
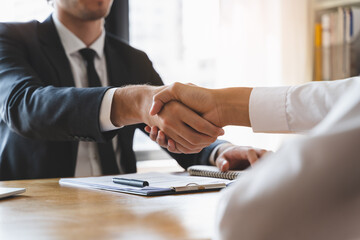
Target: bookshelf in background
pixel 336 39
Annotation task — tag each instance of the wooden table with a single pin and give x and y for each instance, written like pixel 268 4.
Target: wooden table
pixel 50 211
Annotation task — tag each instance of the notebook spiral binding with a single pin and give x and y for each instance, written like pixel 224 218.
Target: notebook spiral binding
pixel 231 175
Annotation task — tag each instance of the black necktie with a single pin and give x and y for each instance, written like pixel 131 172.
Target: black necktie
pixel 106 151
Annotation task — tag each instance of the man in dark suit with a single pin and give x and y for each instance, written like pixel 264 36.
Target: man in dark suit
pixel 59 118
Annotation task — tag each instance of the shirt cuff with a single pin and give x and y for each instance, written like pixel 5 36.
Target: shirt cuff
pixel 267 109
pixel 213 153
pixel 105 111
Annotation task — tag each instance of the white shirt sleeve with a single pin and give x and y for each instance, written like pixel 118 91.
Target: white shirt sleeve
pixel 308 189
pixel 296 108
pixel 267 109
pixel 105 111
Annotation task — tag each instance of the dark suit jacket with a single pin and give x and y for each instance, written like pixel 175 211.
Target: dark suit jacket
pixel 43 116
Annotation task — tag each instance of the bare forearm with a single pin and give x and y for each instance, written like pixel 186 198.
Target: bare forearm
pixel 233 106
pixel 131 104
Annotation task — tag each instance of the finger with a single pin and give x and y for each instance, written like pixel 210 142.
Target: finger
pixel 172 146
pixel 161 139
pixel 201 125
pixel 161 98
pixel 147 129
pixel 154 133
pixel 185 150
pixel 183 134
pixel 173 150
pixel 194 138
pixel 262 152
pixel 174 126
pixel 194 122
pixel 156 107
pixel 224 165
pixel 178 148
pixel 252 156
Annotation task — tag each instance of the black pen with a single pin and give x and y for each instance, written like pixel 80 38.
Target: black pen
pixel 131 182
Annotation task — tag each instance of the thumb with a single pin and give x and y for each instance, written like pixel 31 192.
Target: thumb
pixel 156 107
pixel 222 164
pixel 160 99
pixel 225 166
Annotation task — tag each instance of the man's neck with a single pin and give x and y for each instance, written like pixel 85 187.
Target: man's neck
pixel 86 31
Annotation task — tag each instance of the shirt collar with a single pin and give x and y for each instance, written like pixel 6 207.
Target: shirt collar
pixel 72 44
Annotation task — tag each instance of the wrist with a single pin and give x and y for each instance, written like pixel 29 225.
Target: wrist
pixel 131 104
pixel 217 151
pixel 221 149
pixel 233 105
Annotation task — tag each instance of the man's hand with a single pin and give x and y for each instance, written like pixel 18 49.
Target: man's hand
pixel 159 136
pixel 228 156
pixel 232 157
pixel 201 100
pixel 229 106
pixel 221 107
pixel 191 132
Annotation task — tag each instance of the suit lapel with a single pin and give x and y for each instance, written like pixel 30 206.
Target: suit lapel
pixel 55 52
pixel 118 75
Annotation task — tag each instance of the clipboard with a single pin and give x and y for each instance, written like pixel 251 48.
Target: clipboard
pixel 159 184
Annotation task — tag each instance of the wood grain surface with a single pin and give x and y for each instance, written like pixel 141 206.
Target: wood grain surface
pixel 50 211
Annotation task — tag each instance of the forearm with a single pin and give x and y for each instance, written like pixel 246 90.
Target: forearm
pixel 233 106
pixel 131 104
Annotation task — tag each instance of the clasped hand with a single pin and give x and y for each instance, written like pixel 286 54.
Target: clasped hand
pixel 183 125
pixel 212 105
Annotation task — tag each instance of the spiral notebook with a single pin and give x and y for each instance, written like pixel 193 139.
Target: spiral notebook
pixel 212 171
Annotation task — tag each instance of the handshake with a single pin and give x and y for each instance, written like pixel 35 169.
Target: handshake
pixel 185 118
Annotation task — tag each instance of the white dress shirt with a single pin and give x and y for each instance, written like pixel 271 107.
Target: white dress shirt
pixel 88 162
pixel 310 188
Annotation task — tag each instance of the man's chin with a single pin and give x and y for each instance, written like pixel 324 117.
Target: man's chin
pixel 95 15
pixel 96 11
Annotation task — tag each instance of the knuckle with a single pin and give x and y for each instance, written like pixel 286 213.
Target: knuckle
pixel 212 139
pixel 205 140
pixel 156 97
pixel 175 85
pixel 174 107
pixel 204 126
pixel 196 139
pixel 251 150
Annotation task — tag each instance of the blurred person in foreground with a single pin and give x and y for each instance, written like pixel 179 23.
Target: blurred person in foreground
pixel 309 188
